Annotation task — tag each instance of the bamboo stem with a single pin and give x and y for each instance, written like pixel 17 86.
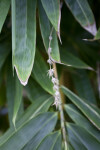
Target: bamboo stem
pixel 61 112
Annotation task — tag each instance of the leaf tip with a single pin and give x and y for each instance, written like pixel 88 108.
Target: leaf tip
pixel 91 28
pixel 24 83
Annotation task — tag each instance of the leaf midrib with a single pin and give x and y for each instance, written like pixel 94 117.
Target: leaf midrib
pixel 21 126
pixel 40 129
pixel 83 12
pixel 27 123
pixel 87 106
pixel 83 127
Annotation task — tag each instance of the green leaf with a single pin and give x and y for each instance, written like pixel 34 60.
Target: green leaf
pixel 4 51
pixel 17 99
pixel 97 36
pixel 43 122
pixel 14 95
pixel 10 94
pixel 83 86
pixel 21 109
pixel 40 73
pixel 35 140
pixel 83 14
pixel 41 105
pixel 70 60
pixel 4 8
pixel 80 120
pixel 52 9
pixel 34 90
pixel 84 106
pixel 46 29
pixel 75 141
pixel 87 140
pixel 52 142
pixel 23 37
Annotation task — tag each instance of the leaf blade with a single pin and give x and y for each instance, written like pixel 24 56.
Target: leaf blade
pixel 4 8
pixel 52 141
pixel 34 90
pixel 14 96
pixel 97 36
pixel 83 14
pixel 45 31
pixel 42 105
pixel 83 86
pixel 84 106
pixel 52 9
pixel 87 140
pixel 17 99
pixel 23 37
pixel 69 59
pixel 40 73
pixel 80 120
pixel 24 137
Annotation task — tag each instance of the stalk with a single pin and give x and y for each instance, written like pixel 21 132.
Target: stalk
pixel 62 120
pixel 52 72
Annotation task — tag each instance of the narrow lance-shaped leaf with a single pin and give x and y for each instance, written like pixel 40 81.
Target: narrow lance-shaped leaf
pixel 80 120
pixel 41 105
pixel 40 73
pixel 83 14
pixel 69 59
pixel 23 37
pixel 46 29
pixel 4 8
pixel 84 106
pixel 41 134
pixel 10 93
pixel 34 90
pixel 42 122
pixel 52 9
pixel 36 140
pixel 86 139
pixel 97 36
pixel 14 96
pixel 74 140
pixel 83 86
pixel 52 141
pixel 17 99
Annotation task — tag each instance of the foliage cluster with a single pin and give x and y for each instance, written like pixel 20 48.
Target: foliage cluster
pixel 28 120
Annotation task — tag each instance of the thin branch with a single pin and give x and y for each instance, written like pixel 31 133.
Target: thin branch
pixel 61 112
pixel 52 72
